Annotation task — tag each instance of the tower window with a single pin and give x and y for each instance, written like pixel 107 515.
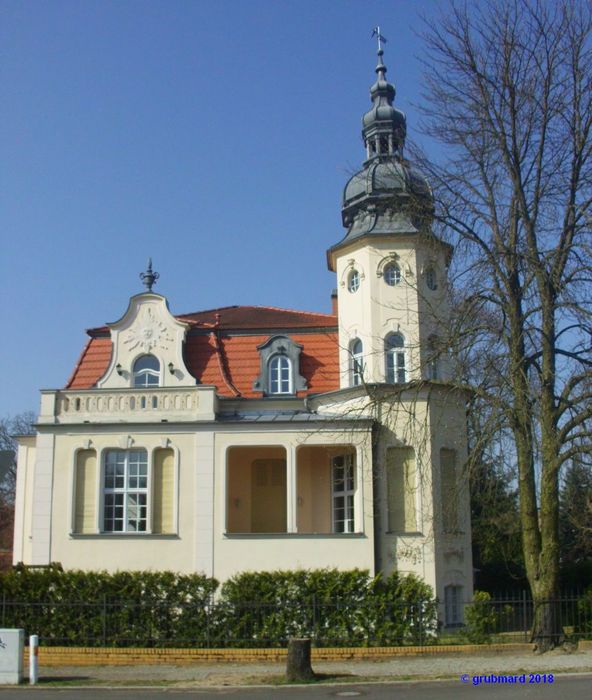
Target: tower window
pixel 353 281
pixel 392 274
pixel 384 145
pixel 431 278
pixel 280 375
pixel 146 371
pixel 357 362
pixel 433 369
pixel 394 348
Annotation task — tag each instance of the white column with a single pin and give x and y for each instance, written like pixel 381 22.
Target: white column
pixel 359 495
pixel 204 502
pixel 291 491
pixel 42 493
pixel 19 503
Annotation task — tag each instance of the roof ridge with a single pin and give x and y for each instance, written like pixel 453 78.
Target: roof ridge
pixel 256 306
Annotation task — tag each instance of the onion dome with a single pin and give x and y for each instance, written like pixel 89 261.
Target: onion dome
pixel 388 196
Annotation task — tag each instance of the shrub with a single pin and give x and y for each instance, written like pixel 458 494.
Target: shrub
pixel 480 618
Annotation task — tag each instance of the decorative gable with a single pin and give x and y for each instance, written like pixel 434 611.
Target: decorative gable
pixel 149 330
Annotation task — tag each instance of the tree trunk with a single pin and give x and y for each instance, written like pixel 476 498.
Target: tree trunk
pixel 298 668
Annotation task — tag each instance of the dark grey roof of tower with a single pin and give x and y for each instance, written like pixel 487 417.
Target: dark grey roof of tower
pixel 388 196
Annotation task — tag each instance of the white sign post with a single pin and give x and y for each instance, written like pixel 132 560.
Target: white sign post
pixel 12 644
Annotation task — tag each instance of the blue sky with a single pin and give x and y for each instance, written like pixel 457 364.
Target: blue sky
pixel 215 137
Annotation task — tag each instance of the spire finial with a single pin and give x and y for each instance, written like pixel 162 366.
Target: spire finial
pixel 376 33
pixel 149 278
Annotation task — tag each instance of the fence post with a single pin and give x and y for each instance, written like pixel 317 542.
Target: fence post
pixel 3 608
pixel 524 616
pixel 314 618
pixel 104 619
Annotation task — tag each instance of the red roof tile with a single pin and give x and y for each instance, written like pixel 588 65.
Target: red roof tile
pixel 227 357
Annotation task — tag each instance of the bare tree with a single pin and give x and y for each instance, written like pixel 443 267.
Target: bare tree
pixel 509 96
pixel 21 424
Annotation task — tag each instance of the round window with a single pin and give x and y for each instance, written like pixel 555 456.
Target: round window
pixel 353 281
pixel 392 274
pixel 431 279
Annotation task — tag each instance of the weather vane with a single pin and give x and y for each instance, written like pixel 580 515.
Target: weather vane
pixel 376 33
pixel 149 278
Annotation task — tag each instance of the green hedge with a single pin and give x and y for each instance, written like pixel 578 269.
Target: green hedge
pixel 341 608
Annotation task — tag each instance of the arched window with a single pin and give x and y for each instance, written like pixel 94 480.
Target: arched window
pixel 357 362
pixel 146 371
pixel 353 281
pixel 433 369
pixel 280 375
pixel 392 274
pixel 431 278
pixel 394 350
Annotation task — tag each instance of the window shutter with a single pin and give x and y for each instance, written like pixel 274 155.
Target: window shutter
pixel 449 495
pixel 163 498
pixel 401 489
pixel 85 500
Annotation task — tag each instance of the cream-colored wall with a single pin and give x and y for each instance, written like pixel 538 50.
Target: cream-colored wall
pixel 240 517
pixel 124 551
pixel 251 552
pixel 313 489
pixel 454 556
pixel 23 505
pixel 377 309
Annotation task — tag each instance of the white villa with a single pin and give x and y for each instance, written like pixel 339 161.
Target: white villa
pixel 257 438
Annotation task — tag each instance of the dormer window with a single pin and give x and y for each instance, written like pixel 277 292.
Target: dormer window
pixel 146 371
pixel 280 375
pixel 280 367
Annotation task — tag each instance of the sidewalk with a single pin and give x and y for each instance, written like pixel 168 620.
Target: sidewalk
pixel 402 668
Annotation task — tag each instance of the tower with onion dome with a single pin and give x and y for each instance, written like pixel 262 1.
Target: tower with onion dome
pixel 393 314
pixel 391 270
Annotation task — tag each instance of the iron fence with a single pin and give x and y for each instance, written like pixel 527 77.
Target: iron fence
pixel 220 624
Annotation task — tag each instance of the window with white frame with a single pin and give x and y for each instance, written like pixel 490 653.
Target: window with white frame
pixel 342 486
pixel 392 274
pixel 280 375
pixel 357 362
pixel 125 491
pixel 394 349
pixel 146 371
pixel 353 281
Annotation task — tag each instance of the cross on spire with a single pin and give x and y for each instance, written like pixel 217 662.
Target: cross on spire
pixel 376 33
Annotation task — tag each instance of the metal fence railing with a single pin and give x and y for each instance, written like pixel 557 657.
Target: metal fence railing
pixel 219 624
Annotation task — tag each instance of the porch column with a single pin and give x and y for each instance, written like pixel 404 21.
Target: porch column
pixel 291 505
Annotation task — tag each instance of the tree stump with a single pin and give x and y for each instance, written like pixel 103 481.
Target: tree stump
pixel 298 668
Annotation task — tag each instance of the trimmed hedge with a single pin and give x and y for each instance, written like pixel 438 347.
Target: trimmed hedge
pixel 262 609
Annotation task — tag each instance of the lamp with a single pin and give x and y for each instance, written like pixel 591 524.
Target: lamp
pixel 171 368
pixel 119 369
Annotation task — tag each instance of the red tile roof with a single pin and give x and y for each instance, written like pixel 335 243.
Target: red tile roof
pixel 218 350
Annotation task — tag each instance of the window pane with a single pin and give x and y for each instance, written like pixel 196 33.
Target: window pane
pixel 392 274
pixel 147 362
